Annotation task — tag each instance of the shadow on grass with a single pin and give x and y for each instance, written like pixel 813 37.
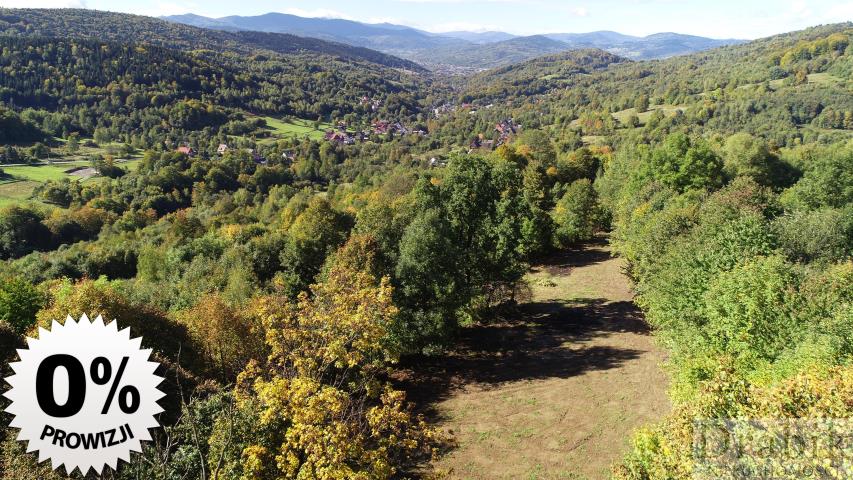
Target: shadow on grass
pixel 540 340
pixel 548 340
pixel 591 253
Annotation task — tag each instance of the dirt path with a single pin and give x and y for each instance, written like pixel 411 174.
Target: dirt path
pixel 556 392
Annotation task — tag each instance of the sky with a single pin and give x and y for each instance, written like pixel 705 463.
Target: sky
pixel 744 19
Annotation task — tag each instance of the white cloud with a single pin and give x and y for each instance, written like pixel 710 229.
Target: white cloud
pixel 161 8
pixel 800 8
pixel 580 12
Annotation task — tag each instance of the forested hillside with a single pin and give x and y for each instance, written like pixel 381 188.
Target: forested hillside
pixel 78 23
pixel 285 220
pixel 143 94
pixel 789 88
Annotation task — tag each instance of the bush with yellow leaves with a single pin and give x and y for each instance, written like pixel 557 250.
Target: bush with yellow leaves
pixel 319 407
pixel 815 397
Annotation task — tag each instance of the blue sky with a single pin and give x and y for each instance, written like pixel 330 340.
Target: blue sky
pixel 712 18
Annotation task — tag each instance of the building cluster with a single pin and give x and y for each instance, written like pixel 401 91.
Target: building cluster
pixel 449 108
pixel 373 103
pixel 341 135
pixel 222 149
pixel 505 129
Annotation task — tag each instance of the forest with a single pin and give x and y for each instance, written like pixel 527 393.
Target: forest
pixel 284 281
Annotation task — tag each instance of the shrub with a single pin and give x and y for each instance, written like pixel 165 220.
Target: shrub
pixel 824 235
pixel 665 451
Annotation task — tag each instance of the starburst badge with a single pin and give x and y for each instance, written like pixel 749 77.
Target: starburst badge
pixel 84 395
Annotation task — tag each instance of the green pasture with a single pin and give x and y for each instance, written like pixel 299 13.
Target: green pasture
pixel 18 182
pixel 298 128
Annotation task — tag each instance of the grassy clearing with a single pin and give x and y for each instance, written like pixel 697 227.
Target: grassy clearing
pixel 130 165
pixel 824 79
pixel 19 181
pixel 42 173
pixel 16 192
pixel 555 390
pixel 296 128
pixel 593 139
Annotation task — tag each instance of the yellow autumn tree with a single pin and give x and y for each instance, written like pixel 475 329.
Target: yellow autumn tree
pixel 224 337
pixel 322 408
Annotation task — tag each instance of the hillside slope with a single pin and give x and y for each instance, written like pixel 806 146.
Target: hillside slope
pixel 121 27
pixel 783 87
pixel 492 55
pixel 388 38
pixel 461 51
pixel 656 46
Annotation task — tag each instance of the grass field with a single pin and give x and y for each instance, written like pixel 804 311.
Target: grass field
pixel 18 184
pixel 622 116
pixel 16 192
pixel 296 128
pixel 42 173
pixel 824 79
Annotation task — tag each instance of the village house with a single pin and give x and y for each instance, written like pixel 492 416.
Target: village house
pixel 374 104
pixel 400 128
pixel 256 156
pixel 481 142
pixel 506 128
pixel 436 162
pixel 381 127
pixel 443 109
pixel 339 137
pixel 188 151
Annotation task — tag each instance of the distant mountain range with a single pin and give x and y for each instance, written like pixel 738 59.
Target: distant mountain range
pixel 457 50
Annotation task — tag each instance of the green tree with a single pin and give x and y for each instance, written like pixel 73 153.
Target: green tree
pixel 746 155
pixel 72 143
pixel 576 214
pixel 316 232
pixel 642 103
pixel 19 303
pixel 21 232
pixel 685 164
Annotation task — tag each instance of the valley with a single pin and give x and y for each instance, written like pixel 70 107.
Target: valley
pixel 363 250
